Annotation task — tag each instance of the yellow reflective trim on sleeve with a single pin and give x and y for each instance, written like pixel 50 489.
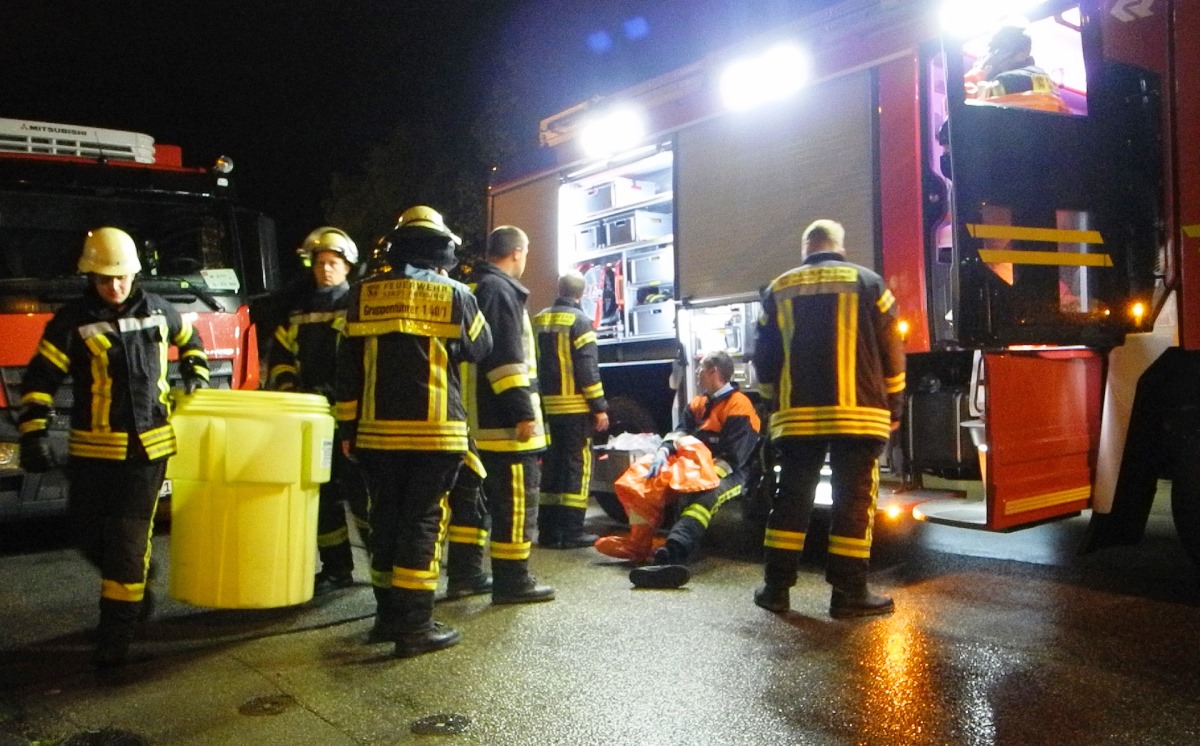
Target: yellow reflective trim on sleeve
pixel 185 334
pixel 55 356
pixel 345 411
pixel 37 397
pixel 477 325
pixel 510 382
pixel 585 339
pixel 32 426
pixel 593 391
pixel 1191 231
pixel 894 384
pixel 886 301
pixel 286 337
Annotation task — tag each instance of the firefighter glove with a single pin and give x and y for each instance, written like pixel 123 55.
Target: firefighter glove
pixel 36 455
pixel 191 384
pixel 660 458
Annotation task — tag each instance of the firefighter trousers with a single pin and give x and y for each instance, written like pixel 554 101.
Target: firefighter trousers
pixel 696 509
pixel 855 486
pixel 409 515
pixel 511 491
pixel 468 526
pixel 112 507
pixel 345 487
pixel 567 462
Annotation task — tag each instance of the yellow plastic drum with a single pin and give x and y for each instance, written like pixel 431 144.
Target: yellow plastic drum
pixel 245 484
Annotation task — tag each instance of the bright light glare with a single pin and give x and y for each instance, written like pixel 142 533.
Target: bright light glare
pixel 967 18
pixel 893 511
pixel 612 132
pixel 773 75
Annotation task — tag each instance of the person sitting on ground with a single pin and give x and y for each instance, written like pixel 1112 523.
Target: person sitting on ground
pixel 724 420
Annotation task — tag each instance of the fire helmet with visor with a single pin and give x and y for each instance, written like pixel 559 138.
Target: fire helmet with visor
pixel 422 238
pixel 110 252
pixel 328 238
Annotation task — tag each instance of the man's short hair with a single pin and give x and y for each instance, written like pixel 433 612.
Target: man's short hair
pixel 571 285
pixel 504 241
pixel 824 235
pixel 721 362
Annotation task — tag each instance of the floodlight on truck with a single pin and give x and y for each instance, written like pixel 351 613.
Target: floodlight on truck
pixel 772 75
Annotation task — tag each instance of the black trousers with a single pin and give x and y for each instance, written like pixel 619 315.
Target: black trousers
pixel 409 515
pixel 112 507
pixel 855 482
pixel 567 463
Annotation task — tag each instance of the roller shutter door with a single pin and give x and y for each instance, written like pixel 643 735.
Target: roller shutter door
pixel 747 184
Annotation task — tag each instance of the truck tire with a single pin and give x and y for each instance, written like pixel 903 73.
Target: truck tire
pixel 625 415
pixel 1185 496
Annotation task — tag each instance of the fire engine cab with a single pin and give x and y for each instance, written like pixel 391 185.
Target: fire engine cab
pixel 199 249
pixel 1037 221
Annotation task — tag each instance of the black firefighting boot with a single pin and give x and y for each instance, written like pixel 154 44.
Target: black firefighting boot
pixel 337 564
pixel 779 575
pixel 514 584
pixel 387 617
pixel 548 528
pixel 571 534
pixel 418 632
pixel 668 571
pixel 464 572
pixel 856 600
pixel 115 632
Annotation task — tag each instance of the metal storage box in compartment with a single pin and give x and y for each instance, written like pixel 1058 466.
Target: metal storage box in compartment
pixel 617 193
pixel 589 236
pixel 656 319
pixel 936 437
pixel 656 267
pixel 639 225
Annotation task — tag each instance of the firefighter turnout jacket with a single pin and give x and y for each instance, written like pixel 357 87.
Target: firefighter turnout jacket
pixel 304 350
pixel 397 386
pixel 502 389
pixel 568 363
pixel 829 350
pixel 117 361
pixel 728 424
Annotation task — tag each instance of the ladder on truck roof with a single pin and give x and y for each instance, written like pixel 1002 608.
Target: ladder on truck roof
pixel 48 138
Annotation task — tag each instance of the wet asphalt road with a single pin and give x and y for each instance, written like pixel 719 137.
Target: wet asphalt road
pixel 997 639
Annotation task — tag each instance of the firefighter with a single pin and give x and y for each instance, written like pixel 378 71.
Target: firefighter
pixel 725 421
pixel 400 412
pixel 829 347
pixel 506 424
pixel 302 358
pixel 1009 76
pixel 573 400
pixel 113 344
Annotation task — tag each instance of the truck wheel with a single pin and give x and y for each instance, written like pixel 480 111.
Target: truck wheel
pixel 1185 497
pixel 625 415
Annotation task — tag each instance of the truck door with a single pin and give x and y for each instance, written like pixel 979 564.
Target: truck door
pixel 1055 195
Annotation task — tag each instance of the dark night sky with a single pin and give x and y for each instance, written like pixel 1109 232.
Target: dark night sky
pixel 295 91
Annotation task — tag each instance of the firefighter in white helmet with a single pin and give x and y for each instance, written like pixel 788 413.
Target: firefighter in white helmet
pixel 112 342
pixel 301 358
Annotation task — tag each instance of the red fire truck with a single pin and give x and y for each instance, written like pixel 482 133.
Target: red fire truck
pixel 199 249
pixel 1045 258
